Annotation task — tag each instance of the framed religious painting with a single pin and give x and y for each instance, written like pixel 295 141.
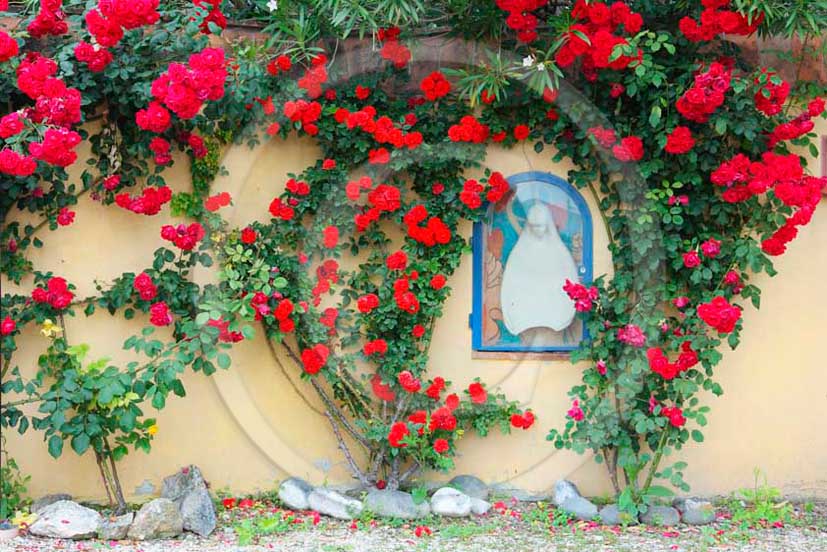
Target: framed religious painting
pixel 528 244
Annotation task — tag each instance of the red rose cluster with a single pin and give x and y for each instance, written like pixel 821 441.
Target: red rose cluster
pixel 472 190
pixel 674 415
pixel 435 86
pixel 719 314
pixel 469 129
pixel 327 273
pixel 583 297
pixel 716 20
pixel 626 150
pixel 314 77
pixel 600 25
pixel 305 113
pixel 659 362
pixel 145 287
pixel 523 421
pixel 110 18
pixel 375 347
pixel 435 231
pixel 393 50
pixel 798 126
pixel 49 20
pixel 224 333
pixel 148 203
pixel 184 88
pixel 160 148
pixel 214 15
pixel 783 174
pixel 520 17
pixel 184 237
pixel 405 299
pixel 315 358
pixel 57 147
pixel 56 293
pixel 707 93
pixel 383 129
pixel 770 97
pixel 94 56
pixel 280 64
pixel 383 199
pixel 55 103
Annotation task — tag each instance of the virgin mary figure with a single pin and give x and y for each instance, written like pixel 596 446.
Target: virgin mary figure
pixel 534 305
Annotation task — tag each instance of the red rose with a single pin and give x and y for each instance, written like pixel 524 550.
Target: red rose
pixel 441 446
pixel 691 259
pixel 408 382
pixel 719 314
pixel 362 92
pixel 315 358
pixel 711 248
pixel 477 392
pixel 8 46
pixel 65 217
pixel 160 314
pixel 331 237
pixel 398 431
pixel 367 303
pixel 435 389
pixel 377 346
pixel 629 149
pixel 679 141
pixel 7 326
pixel 248 236
pixel 438 281
pixel 397 261
pixel 443 418
pixel 521 132
pixel 418 331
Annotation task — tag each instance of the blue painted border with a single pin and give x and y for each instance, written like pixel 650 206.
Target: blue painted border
pixel 588 246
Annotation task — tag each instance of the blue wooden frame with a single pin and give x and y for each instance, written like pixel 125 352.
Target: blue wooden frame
pixel 477 246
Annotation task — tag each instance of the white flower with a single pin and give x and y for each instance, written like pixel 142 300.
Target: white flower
pixel 541 66
pixel 528 61
pixel 273 5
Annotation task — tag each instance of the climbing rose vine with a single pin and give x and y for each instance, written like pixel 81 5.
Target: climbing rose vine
pixel 692 155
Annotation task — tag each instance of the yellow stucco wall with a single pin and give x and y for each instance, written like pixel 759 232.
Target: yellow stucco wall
pixel 254 424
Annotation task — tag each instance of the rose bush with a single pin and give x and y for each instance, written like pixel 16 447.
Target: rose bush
pixel 688 150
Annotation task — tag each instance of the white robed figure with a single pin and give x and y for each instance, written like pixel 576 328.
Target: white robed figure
pixel 532 296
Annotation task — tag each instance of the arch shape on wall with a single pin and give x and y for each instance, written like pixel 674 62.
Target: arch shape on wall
pixel 496 236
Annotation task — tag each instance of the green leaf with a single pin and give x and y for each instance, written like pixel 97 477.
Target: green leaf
pixel 659 491
pixel 80 443
pixel 55 446
pixel 697 436
pixel 655 116
pixel 223 360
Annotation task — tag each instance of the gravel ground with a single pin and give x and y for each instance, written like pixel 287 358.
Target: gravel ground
pixel 520 528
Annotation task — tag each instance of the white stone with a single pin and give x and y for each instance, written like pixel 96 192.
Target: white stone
pixel 450 502
pixel 333 504
pixel 479 507
pixel 293 493
pixel 65 519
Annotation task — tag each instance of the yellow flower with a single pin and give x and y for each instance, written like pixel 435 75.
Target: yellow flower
pixel 23 519
pixel 153 429
pixel 50 329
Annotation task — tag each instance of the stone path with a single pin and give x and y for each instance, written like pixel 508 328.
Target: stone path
pixel 493 532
